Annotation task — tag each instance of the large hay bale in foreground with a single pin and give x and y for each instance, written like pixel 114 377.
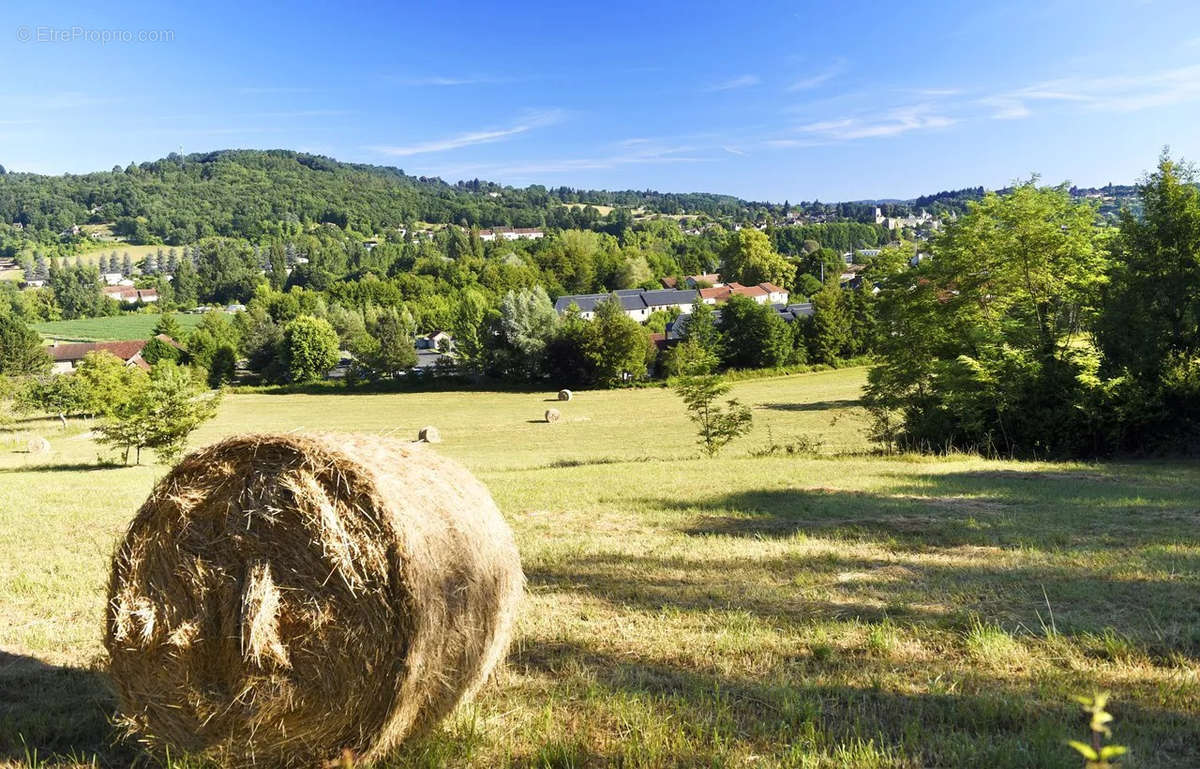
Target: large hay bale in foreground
pixel 565 395
pixel 429 434
pixel 553 415
pixel 281 598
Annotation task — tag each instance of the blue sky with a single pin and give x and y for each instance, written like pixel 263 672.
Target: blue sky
pixel 790 100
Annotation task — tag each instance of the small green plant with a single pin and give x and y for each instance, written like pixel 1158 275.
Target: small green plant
pixel 1097 755
pixel 718 425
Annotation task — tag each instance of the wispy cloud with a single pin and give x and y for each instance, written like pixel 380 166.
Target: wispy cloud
pixel 1119 93
pixel 272 89
pixel 742 81
pixel 812 81
pixel 526 123
pixel 628 152
pixel 896 121
pixel 444 81
pixel 733 150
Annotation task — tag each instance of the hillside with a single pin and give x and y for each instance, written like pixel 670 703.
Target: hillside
pixel 256 194
pixel 251 194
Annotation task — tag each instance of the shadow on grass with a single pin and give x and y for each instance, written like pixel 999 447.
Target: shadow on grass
pixel 844 403
pixel 987 721
pixel 63 714
pixel 1106 509
pixel 65 467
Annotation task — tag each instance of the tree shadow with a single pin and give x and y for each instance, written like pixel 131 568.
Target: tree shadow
pixel 59 713
pixel 1109 508
pixel 843 403
pixel 987 721
pixel 65 467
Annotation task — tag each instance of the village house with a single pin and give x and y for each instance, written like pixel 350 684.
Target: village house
pixel 763 293
pixel 438 340
pixel 508 233
pixel 131 295
pixel 637 303
pixel 65 356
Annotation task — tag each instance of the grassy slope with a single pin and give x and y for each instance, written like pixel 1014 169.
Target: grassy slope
pixel 116 328
pixel 783 611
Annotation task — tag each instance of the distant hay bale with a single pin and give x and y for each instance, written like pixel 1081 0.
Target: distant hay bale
pixel 429 434
pixel 553 415
pixel 37 445
pixel 281 598
pixel 565 395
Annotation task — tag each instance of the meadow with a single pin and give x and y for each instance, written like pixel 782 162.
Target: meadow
pixel 113 329
pixel 818 607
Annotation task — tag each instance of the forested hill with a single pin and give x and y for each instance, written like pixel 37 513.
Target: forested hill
pixel 251 193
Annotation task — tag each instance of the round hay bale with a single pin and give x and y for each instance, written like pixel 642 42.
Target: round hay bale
pixel 37 445
pixel 429 434
pixel 553 415
pixel 282 598
pixel 565 395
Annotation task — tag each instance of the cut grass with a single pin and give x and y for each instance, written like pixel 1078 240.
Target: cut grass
pixel 783 611
pixel 114 329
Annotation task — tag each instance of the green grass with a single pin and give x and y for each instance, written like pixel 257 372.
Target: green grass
pixel 116 328
pixel 825 609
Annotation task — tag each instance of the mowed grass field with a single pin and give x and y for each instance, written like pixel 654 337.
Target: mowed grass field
pixel 827 609
pixel 114 329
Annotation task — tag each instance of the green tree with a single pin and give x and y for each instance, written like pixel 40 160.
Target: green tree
pixel 616 345
pixel 527 324
pixel 753 335
pixel 749 258
pixel 107 384
pixel 567 361
pixel 186 284
pixel 981 344
pixel 161 416
pixel 212 333
pixel 167 324
pixel 1152 305
pixel 310 348
pixel 157 350
pixel 467 326
pixel 77 292
pixel 829 327
pixel 1149 322
pixel 394 350
pixel 717 425
pixel 223 367
pixel 21 349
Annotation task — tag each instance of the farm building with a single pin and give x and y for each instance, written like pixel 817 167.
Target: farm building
pixel 131 295
pixel 65 356
pixel 637 303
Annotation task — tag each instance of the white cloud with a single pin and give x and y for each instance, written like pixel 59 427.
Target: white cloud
pixel 255 90
pixel 733 150
pixel 894 122
pixel 629 152
pixel 743 81
pixel 1118 93
pixel 525 124
pixel 812 81
pixel 451 81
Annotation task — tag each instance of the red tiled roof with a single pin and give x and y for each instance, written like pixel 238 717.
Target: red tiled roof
pixel 720 293
pixel 62 353
pixel 750 291
pixel 771 288
pixel 669 282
